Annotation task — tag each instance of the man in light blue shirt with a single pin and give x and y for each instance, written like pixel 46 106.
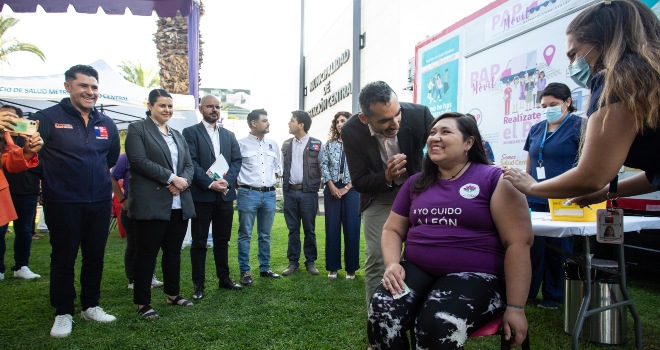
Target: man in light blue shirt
pixel 256 194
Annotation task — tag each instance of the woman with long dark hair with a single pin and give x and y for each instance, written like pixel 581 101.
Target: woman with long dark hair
pixel 613 49
pixel 466 258
pixel 341 203
pixel 159 200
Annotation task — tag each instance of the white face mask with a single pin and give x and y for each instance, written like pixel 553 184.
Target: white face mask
pixel 552 114
pixel 580 71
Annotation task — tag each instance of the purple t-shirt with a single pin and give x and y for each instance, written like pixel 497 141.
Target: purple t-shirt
pixel 451 226
pixel 121 171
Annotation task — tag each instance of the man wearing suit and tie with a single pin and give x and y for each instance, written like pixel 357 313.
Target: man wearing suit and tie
pixel 384 146
pixel 214 200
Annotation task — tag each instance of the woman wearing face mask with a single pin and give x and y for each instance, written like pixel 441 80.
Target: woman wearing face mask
pixel 615 50
pixel 552 147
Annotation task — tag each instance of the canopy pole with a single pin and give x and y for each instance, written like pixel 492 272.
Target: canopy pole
pixel 193 52
pixel 301 82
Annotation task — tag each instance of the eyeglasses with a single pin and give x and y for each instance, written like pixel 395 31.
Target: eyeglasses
pixel 212 107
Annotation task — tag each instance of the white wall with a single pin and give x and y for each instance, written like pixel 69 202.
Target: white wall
pixel 336 40
pixel 393 28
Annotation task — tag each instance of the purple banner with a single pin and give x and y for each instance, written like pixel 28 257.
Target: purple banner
pixel 193 52
pixel 164 8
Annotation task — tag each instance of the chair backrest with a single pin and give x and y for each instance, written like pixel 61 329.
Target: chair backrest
pixel 490 328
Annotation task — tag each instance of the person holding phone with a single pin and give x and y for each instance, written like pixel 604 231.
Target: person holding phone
pixel 24 192
pixel 14 160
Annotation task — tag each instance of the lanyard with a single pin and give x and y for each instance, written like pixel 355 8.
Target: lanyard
pixel 545 132
pixel 341 163
pixel 614 184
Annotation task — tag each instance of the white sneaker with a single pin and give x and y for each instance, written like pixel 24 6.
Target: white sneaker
pixel 96 314
pixel 25 273
pixel 62 326
pixel 130 286
pixel 155 282
pixel 2 276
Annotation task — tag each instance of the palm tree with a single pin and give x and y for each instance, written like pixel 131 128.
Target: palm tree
pixel 10 45
pixel 138 75
pixel 171 40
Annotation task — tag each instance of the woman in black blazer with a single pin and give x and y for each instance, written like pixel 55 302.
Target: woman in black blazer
pixel 159 199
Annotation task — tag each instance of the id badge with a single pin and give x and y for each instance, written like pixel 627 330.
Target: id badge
pixel 610 226
pixel 341 177
pixel 540 173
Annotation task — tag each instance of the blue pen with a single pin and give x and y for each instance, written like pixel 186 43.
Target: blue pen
pixel 589 207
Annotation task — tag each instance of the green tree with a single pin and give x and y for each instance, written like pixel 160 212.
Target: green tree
pixel 136 74
pixel 10 45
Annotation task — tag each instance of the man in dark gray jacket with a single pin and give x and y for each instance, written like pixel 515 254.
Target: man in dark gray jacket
pixel 384 146
pixel 302 155
pixel 209 143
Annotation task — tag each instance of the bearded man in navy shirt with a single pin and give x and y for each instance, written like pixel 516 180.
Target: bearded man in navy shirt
pixel 80 146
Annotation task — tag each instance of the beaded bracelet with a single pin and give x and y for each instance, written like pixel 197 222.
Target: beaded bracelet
pixel 515 307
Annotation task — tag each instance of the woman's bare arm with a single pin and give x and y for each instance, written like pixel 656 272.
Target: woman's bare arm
pixel 605 150
pixel 510 213
pixel 395 232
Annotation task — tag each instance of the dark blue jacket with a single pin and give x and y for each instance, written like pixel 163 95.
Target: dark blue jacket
pixel 203 156
pixel 75 159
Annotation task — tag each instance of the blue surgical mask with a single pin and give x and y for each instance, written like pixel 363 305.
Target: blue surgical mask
pixel 552 114
pixel 580 71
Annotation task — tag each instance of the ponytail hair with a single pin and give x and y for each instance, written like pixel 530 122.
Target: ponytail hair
pixel 154 95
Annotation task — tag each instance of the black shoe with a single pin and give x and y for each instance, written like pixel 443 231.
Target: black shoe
pixel 199 292
pixel 269 273
pixel 228 284
pixel 246 278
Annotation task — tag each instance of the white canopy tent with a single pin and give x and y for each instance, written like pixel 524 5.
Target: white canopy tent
pixel 119 99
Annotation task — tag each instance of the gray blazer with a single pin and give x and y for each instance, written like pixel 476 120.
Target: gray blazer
pixel 151 167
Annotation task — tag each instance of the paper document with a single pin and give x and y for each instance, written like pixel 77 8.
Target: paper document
pixel 219 169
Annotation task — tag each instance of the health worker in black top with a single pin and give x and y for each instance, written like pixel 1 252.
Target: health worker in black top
pixel 615 50
pixel 552 147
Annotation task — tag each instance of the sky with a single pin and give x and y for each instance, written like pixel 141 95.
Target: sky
pixel 248 44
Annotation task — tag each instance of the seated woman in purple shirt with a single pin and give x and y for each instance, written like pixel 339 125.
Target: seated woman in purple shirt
pixel 465 230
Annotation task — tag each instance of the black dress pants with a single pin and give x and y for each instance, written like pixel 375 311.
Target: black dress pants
pixel 129 253
pixel 151 236
pixel 76 226
pixel 221 213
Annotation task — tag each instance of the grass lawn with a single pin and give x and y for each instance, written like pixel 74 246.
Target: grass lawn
pixel 297 312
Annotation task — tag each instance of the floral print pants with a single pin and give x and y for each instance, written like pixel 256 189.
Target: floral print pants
pixel 442 311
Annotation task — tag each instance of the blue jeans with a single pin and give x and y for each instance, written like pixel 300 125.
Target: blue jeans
pixel 342 212
pixel 26 207
pixel 260 205
pixel 300 206
pixel 546 263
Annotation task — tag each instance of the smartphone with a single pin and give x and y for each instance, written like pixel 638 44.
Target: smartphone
pixel 23 126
